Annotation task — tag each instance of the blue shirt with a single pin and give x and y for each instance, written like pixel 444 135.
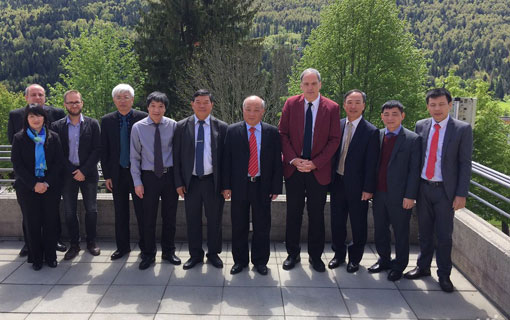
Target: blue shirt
pixel 258 136
pixel 73 133
pixel 396 132
pixel 208 168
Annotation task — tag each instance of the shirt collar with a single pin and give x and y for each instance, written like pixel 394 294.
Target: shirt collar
pixel 314 102
pixel 68 121
pixel 258 126
pixel 442 123
pixel 396 132
pixel 128 115
pixel 150 121
pixel 207 120
pixel 355 122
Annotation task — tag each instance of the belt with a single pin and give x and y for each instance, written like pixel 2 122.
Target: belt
pixel 204 177
pixel 432 183
pixel 165 170
pixel 254 179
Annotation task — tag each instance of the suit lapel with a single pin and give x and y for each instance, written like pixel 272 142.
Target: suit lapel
pixel 190 132
pixel 425 137
pixel 342 129
pixel 214 141
pixel 357 134
pixel 447 137
pixel 400 138
pixel 244 137
pixel 319 119
pixel 300 119
pixel 381 138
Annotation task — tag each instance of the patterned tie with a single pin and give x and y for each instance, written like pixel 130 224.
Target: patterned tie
pixel 431 162
pixel 345 148
pixel 158 154
pixel 307 141
pixel 199 150
pixel 253 164
pixel 124 143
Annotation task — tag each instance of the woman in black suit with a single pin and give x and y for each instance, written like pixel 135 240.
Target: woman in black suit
pixel 37 160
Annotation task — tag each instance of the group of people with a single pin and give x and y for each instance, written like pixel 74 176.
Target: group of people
pixel 205 161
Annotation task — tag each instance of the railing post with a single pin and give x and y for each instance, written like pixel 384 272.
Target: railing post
pixel 504 227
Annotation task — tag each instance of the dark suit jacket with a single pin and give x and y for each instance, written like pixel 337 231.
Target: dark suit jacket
pixel 89 148
pixel 236 157
pixel 23 161
pixel 403 171
pixel 110 142
pixel 456 155
pixel 184 150
pixel 15 123
pixel 326 135
pixel 361 159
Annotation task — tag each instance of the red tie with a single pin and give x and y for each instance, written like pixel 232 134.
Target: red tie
pixel 253 164
pixel 431 163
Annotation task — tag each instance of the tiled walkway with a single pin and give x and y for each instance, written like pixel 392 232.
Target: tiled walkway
pixel 95 288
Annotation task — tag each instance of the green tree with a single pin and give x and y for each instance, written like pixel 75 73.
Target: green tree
pixel 96 62
pixel 363 44
pixel 8 101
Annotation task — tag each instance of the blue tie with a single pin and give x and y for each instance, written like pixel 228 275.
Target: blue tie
pixel 307 141
pixel 124 143
pixel 199 150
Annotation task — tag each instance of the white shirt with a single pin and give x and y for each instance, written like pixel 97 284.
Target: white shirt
pixel 438 175
pixel 208 168
pixel 354 126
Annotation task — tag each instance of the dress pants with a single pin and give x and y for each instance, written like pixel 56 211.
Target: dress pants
pixel 385 213
pixel 154 188
pixel 261 219
pixel 201 193
pixel 122 187
pixel 347 204
pixel 435 216
pixel 299 186
pixel 40 222
pixel 70 194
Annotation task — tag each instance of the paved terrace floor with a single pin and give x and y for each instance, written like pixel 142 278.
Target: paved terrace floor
pixel 95 288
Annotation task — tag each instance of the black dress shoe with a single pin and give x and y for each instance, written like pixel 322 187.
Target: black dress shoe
pixel 61 247
pixel 378 267
pixel 215 260
pixel 146 262
pixel 52 264
pixel 445 284
pixel 317 265
pixel 192 262
pixel 394 275
pixel 335 263
pixel 290 262
pixel 171 257
pixel 24 251
pixel 93 249
pixel 72 252
pixel 417 273
pixel 352 267
pixel 261 269
pixel 37 266
pixel 117 254
pixel 236 268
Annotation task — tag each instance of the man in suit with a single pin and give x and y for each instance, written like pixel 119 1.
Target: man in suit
pixel 81 145
pixel 115 163
pixel 198 150
pixel 353 181
pixel 310 133
pixel 445 174
pixel 252 176
pixel 35 94
pixel 153 177
pixel 398 177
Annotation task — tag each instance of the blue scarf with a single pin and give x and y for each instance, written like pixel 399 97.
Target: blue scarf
pixel 40 158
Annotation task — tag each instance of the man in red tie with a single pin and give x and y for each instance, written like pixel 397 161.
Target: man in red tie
pixel 445 174
pixel 252 176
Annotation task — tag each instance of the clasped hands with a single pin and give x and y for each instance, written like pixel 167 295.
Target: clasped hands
pixel 303 165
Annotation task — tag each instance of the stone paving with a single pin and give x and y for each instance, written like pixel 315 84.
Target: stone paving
pixel 96 288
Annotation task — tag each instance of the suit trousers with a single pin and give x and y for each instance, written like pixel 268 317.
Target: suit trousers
pixel 385 213
pixel 435 216
pixel 261 220
pixel 40 222
pixel 154 188
pixel 122 187
pixel 347 204
pixel 201 193
pixel 299 186
pixel 70 194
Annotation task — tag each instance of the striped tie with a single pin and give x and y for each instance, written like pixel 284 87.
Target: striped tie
pixel 253 164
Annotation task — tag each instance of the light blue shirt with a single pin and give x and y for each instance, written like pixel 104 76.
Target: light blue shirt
pixel 438 175
pixel 396 132
pixel 258 136
pixel 208 168
pixel 73 133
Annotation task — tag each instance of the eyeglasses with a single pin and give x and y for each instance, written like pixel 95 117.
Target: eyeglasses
pixel 73 102
pixel 123 97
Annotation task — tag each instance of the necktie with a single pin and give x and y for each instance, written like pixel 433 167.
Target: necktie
pixel 431 162
pixel 253 164
pixel 124 143
pixel 158 154
pixel 199 150
pixel 307 141
pixel 345 148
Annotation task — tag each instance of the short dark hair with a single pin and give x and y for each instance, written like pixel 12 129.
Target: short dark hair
pixel 37 110
pixel 348 93
pixel 438 92
pixel 158 97
pixel 201 93
pixel 392 104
